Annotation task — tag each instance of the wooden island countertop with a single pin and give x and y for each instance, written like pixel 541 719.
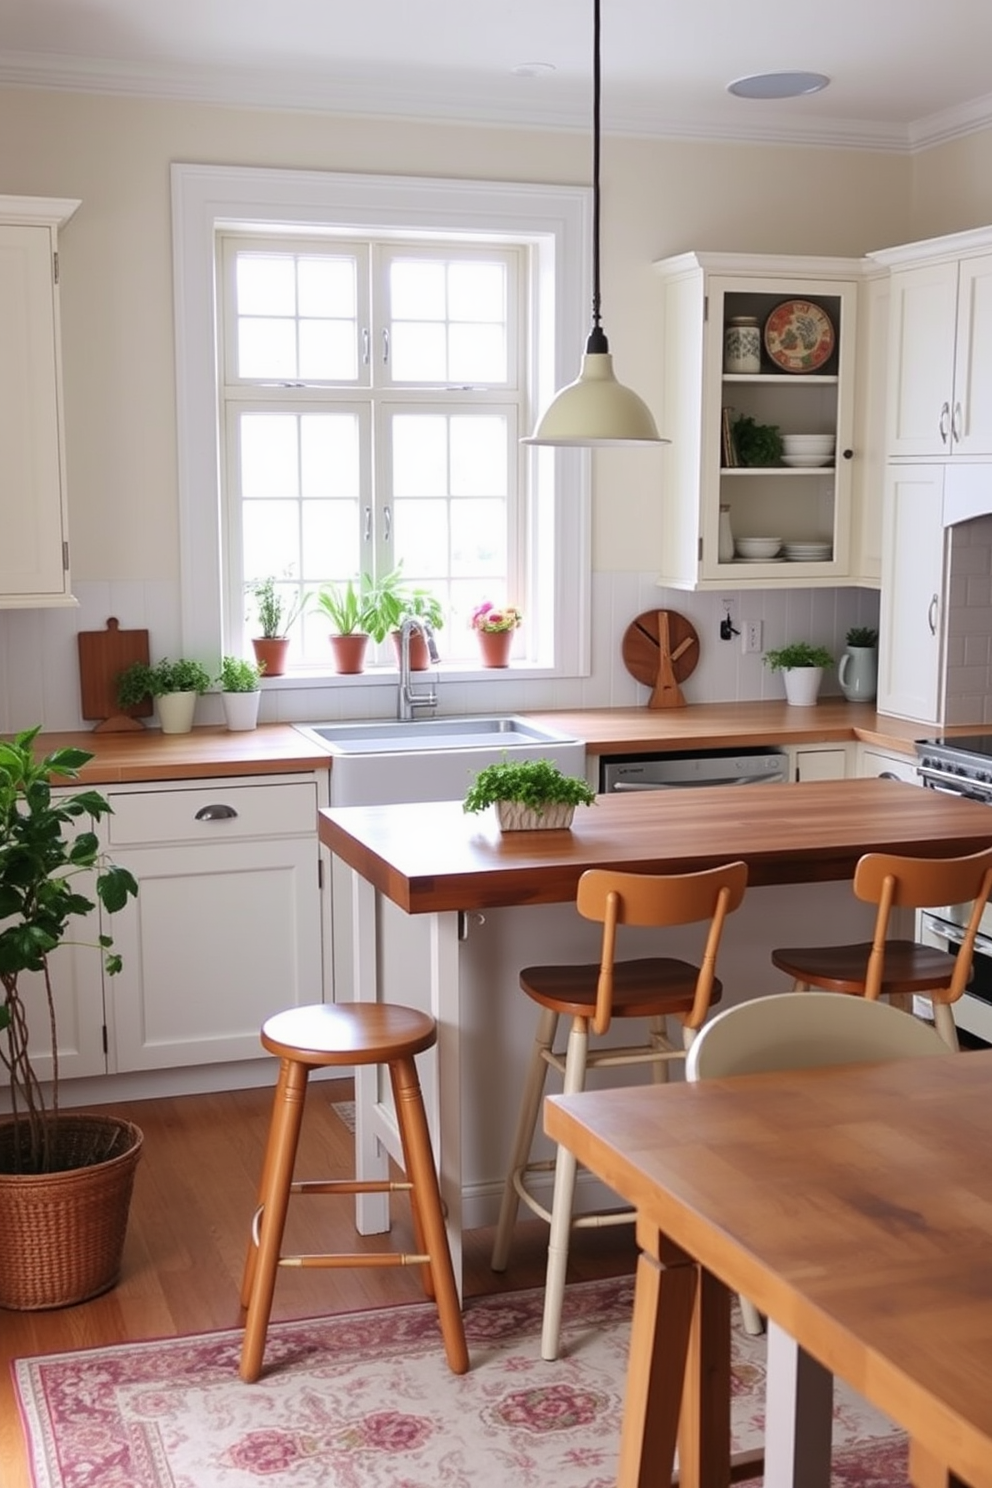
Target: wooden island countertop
pixel 433 858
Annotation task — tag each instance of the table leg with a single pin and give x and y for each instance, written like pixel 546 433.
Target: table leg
pixel 798 1415
pixel 704 1430
pixel 664 1297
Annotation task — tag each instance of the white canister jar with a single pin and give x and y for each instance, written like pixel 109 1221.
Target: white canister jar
pixel 742 346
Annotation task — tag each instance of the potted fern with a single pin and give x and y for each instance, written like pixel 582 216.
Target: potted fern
pixel 802 665
pixel 65 1179
pixel 528 794
pixel 175 686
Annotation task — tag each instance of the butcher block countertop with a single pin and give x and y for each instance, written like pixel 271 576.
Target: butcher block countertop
pixel 279 748
pixel 435 857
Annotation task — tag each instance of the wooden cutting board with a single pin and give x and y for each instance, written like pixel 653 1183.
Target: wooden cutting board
pixel 661 648
pixel 103 655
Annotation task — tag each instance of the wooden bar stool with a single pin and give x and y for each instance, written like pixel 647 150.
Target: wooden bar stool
pixel 316 1037
pixel 591 996
pixel 901 968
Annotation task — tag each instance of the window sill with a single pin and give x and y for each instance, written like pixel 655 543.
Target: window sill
pixel 310 677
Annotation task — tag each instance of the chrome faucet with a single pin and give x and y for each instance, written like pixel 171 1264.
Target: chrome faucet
pixel 410 697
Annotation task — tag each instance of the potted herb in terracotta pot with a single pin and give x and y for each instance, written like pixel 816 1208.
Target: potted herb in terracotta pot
pixel 65 1179
pixel 277 610
pixel 240 692
pixel 175 686
pixel 528 795
pixel 802 666
pixel 348 609
pixel 419 604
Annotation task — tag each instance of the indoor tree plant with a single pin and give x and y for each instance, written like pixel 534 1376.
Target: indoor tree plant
pixel 65 1179
pixel 175 686
pixel 528 794
pixel 801 664
pixel 858 669
pixel 240 692
pixel 277 614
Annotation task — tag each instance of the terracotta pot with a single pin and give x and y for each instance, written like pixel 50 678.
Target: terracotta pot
pixel 348 652
pixel 495 647
pixel 273 651
pixel 420 657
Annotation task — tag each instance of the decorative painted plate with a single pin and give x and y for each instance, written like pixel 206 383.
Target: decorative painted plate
pixel 799 336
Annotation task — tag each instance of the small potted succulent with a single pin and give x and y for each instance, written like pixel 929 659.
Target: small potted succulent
pixel 240 692
pixel 277 609
pixel 494 628
pixel 174 685
pixel 858 669
pixel 528 794
pixel 802 665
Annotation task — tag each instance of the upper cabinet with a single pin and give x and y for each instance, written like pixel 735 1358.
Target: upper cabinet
pixel 940 350
pixel 802 383
pixel 34 553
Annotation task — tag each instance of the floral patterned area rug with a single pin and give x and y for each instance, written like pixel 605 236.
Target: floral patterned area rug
pixel 364 1400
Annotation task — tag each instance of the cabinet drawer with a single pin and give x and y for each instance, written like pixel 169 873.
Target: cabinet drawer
pixel 238 811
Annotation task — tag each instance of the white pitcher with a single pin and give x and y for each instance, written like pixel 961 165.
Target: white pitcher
pixel 858 673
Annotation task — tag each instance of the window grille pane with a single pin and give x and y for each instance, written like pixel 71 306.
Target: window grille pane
pixel 477 354
pixel 329 455
pixel 478 542
pixel 269 456
pixel 327 288
pixel 270 538
pixel 328 351
pixel 267 348
pixel 331 544
pixel 477 291
pixel 266 284
pixel 420 536
pixel 419 352
pixel 420 455
pixel 478 456
pixel 417 289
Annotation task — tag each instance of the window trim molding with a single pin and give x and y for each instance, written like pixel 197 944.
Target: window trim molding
pixel 208 198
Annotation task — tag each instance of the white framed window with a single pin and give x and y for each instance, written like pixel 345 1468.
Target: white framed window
pixel 357 358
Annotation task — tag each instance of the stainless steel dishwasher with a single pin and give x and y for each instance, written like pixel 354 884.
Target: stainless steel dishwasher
pixel 691 770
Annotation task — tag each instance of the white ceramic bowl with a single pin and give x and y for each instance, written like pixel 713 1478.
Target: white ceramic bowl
pixel 798 444
pixel 757 547
pixel 801 462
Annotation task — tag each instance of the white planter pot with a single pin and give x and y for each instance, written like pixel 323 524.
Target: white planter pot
pixel 802 685
pixel 241 709
pixel 514 816
pixel 175 711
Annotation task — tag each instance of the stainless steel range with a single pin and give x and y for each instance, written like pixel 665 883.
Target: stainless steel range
pixel 962 766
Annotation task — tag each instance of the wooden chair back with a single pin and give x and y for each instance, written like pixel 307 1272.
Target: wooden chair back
pixel 806 1030
pixel 892 882
pixel 659 899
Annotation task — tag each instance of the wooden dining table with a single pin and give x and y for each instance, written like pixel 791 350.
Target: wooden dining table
pixel 852 1205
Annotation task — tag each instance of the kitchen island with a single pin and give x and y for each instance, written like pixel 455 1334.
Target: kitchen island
pixel 448 909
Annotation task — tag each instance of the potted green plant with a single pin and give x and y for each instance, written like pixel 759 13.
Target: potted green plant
pixel 175 686
pixel 418 603
pixel 65 1179
pixel 240 691
pixel 277 610
pixel 350 609
pixel 528 794
pixel 756 444
pixel 857 672
pixel 802 665
pixel 494 628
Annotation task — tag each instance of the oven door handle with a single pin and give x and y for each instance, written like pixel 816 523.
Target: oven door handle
pixel 628 786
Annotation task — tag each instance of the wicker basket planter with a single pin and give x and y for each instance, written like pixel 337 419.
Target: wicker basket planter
pixel 514 816
pixel 62 1234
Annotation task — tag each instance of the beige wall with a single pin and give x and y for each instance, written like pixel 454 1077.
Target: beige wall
pixel 658 198
pixel 952 187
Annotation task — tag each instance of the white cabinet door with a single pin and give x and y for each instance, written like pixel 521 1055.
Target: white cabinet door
pixel 818 762
pixel 226 928
pixel 940 364
pixel 912 609
pixel 34 562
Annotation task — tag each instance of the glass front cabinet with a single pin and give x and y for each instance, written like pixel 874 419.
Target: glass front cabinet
pixel 757 350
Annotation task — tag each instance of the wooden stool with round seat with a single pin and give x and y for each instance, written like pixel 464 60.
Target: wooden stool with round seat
pixel 653 988
pixel 348 1034
pixel 901 968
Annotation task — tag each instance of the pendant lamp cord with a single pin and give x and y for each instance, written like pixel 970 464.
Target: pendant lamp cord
pixel 597 343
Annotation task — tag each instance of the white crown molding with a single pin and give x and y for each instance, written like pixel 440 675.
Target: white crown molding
pixel 440 98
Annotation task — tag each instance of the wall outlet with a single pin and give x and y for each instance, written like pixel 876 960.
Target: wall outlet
pixel 751 637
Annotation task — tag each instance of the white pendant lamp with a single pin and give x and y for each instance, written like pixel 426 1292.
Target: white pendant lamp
pixel 596 409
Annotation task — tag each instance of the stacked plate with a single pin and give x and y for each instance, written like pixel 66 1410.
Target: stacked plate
pixel 800 450
pixel 813 551
pixel 757 549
